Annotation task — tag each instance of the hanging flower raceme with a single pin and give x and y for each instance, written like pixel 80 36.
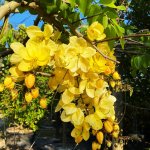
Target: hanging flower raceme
pixel 79 73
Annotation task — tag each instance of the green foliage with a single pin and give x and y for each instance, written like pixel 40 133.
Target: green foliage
pixel 17 110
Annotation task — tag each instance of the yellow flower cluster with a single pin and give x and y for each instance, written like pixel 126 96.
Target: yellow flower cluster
pixel 80 74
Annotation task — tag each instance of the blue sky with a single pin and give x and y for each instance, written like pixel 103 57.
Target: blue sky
pixel 24 18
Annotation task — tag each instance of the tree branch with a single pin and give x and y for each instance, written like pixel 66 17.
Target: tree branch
pixel 88 17
pixel 7 8
pixel 11 6
pixel 123 37
pixel 44 74
pixel 5 53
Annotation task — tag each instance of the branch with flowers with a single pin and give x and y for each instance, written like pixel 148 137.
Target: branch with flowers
pixel 59 59
pixel 79 73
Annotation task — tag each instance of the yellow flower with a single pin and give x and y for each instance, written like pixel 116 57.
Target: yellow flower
pixel 77 55
pixel 94 121
pixel 32 56
pixel 90 82
pixel 35 33
pixel 105 108
pixel 61 80
pixel 72 114
pixel 95 31
pixel 81 131
pixel 98 63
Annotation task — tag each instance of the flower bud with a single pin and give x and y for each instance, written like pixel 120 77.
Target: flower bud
pixel 95 145
pixel 78 139
pixel 116 76
pixel 7 82
pixel 112 83
pixel 116 127
pixel 43 103
pixel 108 126
pixel 100 137
pixel 35 92
pixel 115 134
pixel 111 119
pixel 11 86
pixel 28 97
pixel 29 80
pixel 108 143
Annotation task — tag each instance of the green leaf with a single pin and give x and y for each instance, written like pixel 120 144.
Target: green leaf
pixel 105 21
pixel 110 12
pixel 83 5
pixel 110 33
pixel 121 7
pixel 137 62
pixel 122 42
pixel 107 2
pixel 74 17
pixel 95 11
pixel 146 61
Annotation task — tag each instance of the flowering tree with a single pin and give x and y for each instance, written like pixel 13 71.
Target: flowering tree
pixel 71 56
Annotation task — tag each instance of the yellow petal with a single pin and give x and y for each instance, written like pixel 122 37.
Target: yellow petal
pixel 16 46
pixel 25 66
pixel 16 74
pixel 67 96
pixel 82 85
pixel 94 121
pixel 64 117
pixel 70 108
pixel 90 92
pixel 72 64
pixel 32 48
pixel 74 90
pixel 59 106
pixel 85 134
pixel 83 64
pixel 76 132
pixel 77 117
pixel 48 30
pixel 33 31
pixel 14 59
pixel 100 114
pixel 88 52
